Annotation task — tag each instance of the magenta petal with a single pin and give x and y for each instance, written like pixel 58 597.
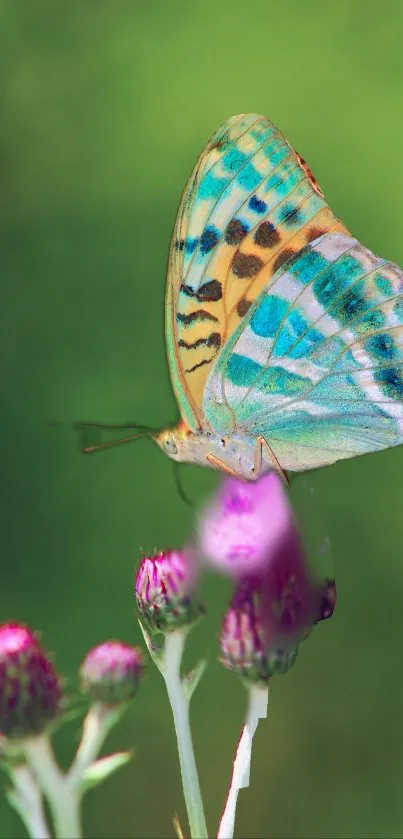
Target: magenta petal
pixel 30 688
pixel 240 530
pixel 165 590
pixel 111 672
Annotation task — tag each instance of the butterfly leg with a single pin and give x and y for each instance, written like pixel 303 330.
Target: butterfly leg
pixel 260 443
pixel 219 464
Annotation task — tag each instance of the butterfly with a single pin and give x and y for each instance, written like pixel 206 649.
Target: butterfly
pixel 284 334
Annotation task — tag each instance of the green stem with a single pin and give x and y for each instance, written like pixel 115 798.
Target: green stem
pixel 64 801
pixel 98 722
pixel 170 669
pixel 26 799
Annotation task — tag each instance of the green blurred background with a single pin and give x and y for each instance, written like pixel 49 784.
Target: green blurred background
pixel 105 105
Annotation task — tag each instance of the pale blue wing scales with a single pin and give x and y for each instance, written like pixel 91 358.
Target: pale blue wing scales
pixel 316 365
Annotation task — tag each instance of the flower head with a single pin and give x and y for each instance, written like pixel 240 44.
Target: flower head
pixel 164 589
pixel 245 525
pixel 244 644
pixel 250 533
pixel 30 689
pixel 290 593
pixel 111 672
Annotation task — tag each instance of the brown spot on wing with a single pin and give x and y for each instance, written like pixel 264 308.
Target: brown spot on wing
pixel 197 315
pixel 210 291
pixel 266 235
pixel 314 233
pixel 243 306
pixel 199 364
pixel 246 265
pixel 212 340
pixel 284 256
pixel 236 231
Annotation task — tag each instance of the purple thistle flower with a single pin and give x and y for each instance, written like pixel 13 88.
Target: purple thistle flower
pixel 30 689
pixel 250 533
pixel 244 645
pixel 244 525
pixel 289 594
pixel 165 591
pixel 111 672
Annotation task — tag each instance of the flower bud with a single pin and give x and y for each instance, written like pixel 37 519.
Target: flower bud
pixel 111 672
pixel 164 589
pixel 245 647
pixel 30 689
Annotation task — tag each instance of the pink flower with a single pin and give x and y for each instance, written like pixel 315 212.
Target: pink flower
pixel 165 590
pixel 245 647
pixel 269 616
pixel 249 532
pixel 111 672
pixel 30 688
pixel 245 525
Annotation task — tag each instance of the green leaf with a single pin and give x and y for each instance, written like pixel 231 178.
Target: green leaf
pixel 155 652
pixel 101 769
pixel 14 801
pixel 192 679
pixel 13 757
pixel 6 766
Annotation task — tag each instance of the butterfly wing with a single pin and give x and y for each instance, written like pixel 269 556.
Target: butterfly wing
pixel 316 365
pixel 250 204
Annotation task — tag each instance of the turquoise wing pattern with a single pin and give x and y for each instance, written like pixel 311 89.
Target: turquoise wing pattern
pixel 315 367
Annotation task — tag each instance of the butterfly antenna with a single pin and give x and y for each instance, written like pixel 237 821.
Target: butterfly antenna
pixel 179 486
pixel 100 447
pixel 83 427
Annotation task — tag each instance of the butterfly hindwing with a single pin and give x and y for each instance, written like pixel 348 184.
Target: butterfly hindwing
pixel 316 365
pixel 250 205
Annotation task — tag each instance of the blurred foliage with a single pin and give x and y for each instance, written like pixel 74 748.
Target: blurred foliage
pixel 105 105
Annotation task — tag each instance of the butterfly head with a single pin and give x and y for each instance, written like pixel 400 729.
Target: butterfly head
pixel 174 441
pixel 166 440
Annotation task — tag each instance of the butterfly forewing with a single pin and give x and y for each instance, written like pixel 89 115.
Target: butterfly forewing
pixel 250 205
pixel 182 247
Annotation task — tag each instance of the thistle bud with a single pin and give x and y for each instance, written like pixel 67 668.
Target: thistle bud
pixel 30 689
pixel 111 672
pixel 245 647
pixel 164 588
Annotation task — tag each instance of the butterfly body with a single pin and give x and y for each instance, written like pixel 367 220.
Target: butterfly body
pixel 284 333
pixel 235 454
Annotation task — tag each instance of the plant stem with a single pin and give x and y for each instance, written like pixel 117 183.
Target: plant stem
pixel 64 791
pixel 64 800
pixel 26 799
pixel 99 720
pixel 257 709
pixel 170 669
